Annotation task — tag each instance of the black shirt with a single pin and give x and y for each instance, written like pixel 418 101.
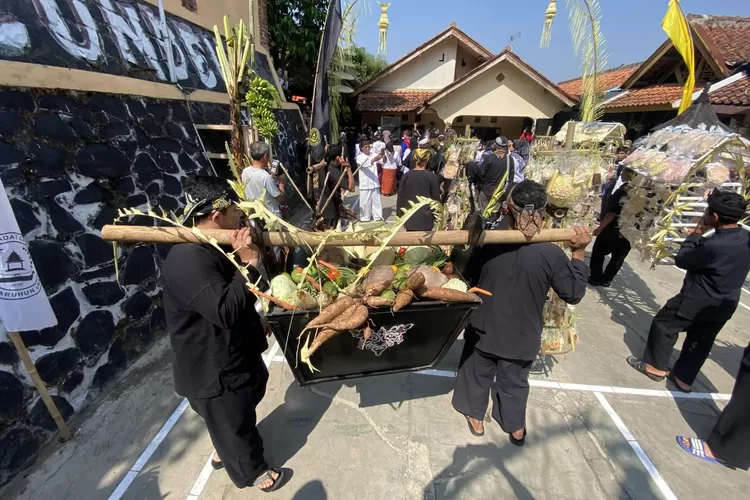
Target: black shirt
pixel 418 183
pixel 437 160
pixel 716 269
pixel 215 332
pixel 492 170
pixel 509 323
pixel 333 209
pixel 614 206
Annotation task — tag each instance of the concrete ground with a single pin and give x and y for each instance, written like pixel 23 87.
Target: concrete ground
pixel 597 429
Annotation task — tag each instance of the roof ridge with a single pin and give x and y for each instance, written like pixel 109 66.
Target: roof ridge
pixel 611 70
pixel 450 30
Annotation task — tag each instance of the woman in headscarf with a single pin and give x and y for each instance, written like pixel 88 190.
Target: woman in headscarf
pixel 418 181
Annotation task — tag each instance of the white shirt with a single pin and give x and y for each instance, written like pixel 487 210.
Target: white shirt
pixel 255 181
pixel 392 160
pixel 368 172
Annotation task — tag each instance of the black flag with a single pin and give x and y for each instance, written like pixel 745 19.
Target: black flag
pixel 321 114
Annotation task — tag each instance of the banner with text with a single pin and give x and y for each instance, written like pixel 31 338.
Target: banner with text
pixel 23 302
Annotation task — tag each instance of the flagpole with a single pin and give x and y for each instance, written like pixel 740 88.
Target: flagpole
pixel 48 402
pixel 311 188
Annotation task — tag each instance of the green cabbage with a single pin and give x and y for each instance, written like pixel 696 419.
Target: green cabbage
pixel 456 284
pixel 283 288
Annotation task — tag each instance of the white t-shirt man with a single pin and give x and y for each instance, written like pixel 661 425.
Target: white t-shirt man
pixel 255 181
pixel 370 207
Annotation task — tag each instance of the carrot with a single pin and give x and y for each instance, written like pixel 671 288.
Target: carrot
pixel 313 282
pixel 415 281
pixel 378 301
pixel 480 290
pixel 341 304
pixel 447 295
pixel 403 299
pixel 350 319
pixel 284 305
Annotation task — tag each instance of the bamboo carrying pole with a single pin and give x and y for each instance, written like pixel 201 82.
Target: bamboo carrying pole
pixel 148 234
pixel 48 402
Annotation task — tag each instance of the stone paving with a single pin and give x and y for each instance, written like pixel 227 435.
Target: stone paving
pixel 597 429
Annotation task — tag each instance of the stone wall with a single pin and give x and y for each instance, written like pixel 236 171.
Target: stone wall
pixel 68 162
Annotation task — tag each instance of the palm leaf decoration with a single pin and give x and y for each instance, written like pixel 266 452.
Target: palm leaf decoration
pixel 340 75
pixel 589 45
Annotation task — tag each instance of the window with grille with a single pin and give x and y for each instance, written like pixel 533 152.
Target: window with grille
pixel 191 5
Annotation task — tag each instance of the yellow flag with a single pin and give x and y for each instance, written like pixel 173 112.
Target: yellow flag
pixel 676 27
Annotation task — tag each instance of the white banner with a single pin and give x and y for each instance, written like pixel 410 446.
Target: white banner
pixel 23 303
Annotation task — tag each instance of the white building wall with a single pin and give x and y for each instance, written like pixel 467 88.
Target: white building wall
pixel 431 70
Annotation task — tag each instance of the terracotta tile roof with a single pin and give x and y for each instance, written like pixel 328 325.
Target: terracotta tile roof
pixel 609 79
pixel 726 37
pixel 394 100
pixel 649 96
pixel 735 94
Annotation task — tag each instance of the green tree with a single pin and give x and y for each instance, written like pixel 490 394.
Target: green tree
pixel 295 28
pixel 366 65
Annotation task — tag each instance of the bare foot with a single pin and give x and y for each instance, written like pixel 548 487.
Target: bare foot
pixel 268 482
pixel 654 371
pixel 706 448
pixel 475 424
pixel 215 456
pixel 518 434
pixel 682 385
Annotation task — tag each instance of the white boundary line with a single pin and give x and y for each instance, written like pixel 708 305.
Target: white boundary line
pixel 202 480
pixel 150 449
pixel 647 463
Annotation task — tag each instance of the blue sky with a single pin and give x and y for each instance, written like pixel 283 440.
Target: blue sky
pixel 632 28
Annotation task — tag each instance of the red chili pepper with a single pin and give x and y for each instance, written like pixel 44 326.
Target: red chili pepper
pixel 401 252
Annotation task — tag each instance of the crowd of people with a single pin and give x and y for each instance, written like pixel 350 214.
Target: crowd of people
pixel 218 335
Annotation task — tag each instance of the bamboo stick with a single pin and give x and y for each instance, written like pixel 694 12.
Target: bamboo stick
pixel 149 234
pixel 39 384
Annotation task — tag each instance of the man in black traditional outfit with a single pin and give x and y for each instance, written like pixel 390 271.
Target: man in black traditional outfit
pixel 728 442
pixel 716 270
pixel 217 336
pixel 505 335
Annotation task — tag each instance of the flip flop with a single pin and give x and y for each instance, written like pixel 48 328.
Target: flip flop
pixel 277 483
pixel 673 379
pixel 640 365
pixel 471 428
pixel 696 448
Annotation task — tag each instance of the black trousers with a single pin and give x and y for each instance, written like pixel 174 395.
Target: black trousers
pixel 231 422
pixel 730 436
pixel 610 241
pixel 699 339
pixel 510 390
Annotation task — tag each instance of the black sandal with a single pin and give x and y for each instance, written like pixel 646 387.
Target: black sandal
pixel 518 442
pixel 640 365
pixel 217 464
pixel 277 483
pixel 675 383
pixel 471 428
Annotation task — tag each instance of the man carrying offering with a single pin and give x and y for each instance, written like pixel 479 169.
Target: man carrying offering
pixel 505 335
pixel 217 336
